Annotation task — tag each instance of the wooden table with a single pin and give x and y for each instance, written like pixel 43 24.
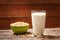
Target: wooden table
pixel 49 34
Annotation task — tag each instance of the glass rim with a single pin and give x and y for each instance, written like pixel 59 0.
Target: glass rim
pixel 33 11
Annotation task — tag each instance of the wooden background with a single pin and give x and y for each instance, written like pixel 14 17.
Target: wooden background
pixel 20 10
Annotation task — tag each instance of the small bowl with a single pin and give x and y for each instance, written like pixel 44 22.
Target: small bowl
pixel 18 29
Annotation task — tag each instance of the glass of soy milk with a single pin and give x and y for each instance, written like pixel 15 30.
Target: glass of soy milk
pixel 38 22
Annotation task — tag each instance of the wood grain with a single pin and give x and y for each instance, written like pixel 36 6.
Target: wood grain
pixel 29 1
pixel 49 34
pixel 22 12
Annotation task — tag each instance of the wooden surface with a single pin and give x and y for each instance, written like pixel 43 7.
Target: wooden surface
pixel 49 33
pixel 20 10
pixel 29 1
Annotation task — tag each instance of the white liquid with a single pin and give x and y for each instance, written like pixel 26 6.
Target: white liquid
pixel 38 23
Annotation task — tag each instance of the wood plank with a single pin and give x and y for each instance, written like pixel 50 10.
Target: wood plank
pixel 51 22
pixel 49 34
pixel 29 1
pixel 25 10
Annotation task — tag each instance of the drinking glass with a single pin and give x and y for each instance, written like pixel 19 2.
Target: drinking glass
pixel 38 22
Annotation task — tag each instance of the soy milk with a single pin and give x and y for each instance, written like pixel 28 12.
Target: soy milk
pixel 38 22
